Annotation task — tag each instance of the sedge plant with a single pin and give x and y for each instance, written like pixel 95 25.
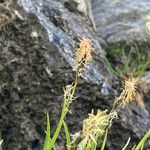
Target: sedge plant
pixel 95 127
pixel 133 61
pixel 83 54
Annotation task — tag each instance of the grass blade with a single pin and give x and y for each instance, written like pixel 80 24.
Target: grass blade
pixel 133 147
pixel 126 144
pixel 68 139
pixel 138 54
pixel 53 140
pixel 47 138
pixel 104 141
pixel 146 136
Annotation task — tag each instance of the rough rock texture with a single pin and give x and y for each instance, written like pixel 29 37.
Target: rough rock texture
pixel 62 27
pixel 37 45
pixel 122 20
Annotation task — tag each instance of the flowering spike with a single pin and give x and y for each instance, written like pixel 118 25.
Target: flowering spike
pixel 83 53
pixel 129 91
pixel 97 123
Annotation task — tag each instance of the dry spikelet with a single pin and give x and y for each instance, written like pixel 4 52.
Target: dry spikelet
pixel 129 91
pixel 83 53
pixel 68 95
pixel 96 124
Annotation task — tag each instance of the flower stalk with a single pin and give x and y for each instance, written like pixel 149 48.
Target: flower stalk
pixel 83 54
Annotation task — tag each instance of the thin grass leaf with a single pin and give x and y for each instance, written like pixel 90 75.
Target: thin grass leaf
pixel 146 136
pixel 120 72
pixel 133 147
pixel 144 66
pixel 105 139
pixel 68 139
pixel 110 67
pixel 94 144
pixel 126 145
pixel 127 61
pixel 53 140
pixel 139 56
pixel 128 69
pixel 47 138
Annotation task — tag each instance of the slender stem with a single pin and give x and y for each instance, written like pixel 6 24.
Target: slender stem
pixel 104 141
pixel 126 144
pixel 146 136
pixel 68 139
pixel 58 128
pixel 63 114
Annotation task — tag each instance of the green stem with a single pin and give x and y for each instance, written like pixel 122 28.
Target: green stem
pixel 68 139
pixel 63 114
pixel 58 128
pixel 146 136
pixel 104 141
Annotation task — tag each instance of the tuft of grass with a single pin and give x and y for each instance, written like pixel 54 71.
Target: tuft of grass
pixel 128 64
pixel 95 126
pixel 132 61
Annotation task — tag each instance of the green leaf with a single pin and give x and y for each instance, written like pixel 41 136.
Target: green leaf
pixel 68 139
pixel 146 136
pixel 120 72
pixel 134 147
pixel 104 141
pixel 82 145
pixel 47 138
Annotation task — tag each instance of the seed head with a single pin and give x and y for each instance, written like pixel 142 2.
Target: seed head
pixel 83 53
pixel 129 91
pixel 96 124
pixel 68 95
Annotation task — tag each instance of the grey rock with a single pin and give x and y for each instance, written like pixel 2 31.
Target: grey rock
pixel 122 20
pixel 62 26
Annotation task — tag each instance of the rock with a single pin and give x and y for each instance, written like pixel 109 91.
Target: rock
pixel 62 27
pixel 122 21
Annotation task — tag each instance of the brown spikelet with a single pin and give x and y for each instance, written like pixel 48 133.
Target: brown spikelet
pixel 130 91
pixel 83 53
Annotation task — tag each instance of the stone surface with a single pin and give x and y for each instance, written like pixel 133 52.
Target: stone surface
pixel 122 20
pixel 37 46
pixel 62 27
